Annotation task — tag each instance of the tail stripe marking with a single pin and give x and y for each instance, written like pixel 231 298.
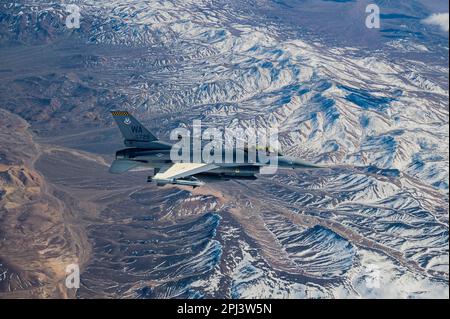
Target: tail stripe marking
pixel 120 113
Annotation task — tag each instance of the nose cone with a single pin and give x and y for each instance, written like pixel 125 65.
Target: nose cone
pixel 289 161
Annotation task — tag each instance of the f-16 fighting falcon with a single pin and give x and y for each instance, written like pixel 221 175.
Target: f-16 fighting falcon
pixel 145 150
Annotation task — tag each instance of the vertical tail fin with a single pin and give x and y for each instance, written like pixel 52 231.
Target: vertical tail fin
pixel 131 129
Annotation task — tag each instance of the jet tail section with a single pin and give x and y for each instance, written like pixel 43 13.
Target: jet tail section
pixel 131 129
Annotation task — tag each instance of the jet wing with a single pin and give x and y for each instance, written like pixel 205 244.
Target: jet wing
pixel 182 170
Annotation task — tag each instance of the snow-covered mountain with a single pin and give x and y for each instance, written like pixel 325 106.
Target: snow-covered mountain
pixel 345 105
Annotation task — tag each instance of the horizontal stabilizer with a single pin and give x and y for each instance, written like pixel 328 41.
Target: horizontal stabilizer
pixel 120 166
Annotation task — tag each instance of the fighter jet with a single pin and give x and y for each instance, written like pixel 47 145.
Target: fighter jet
pixel 145 150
